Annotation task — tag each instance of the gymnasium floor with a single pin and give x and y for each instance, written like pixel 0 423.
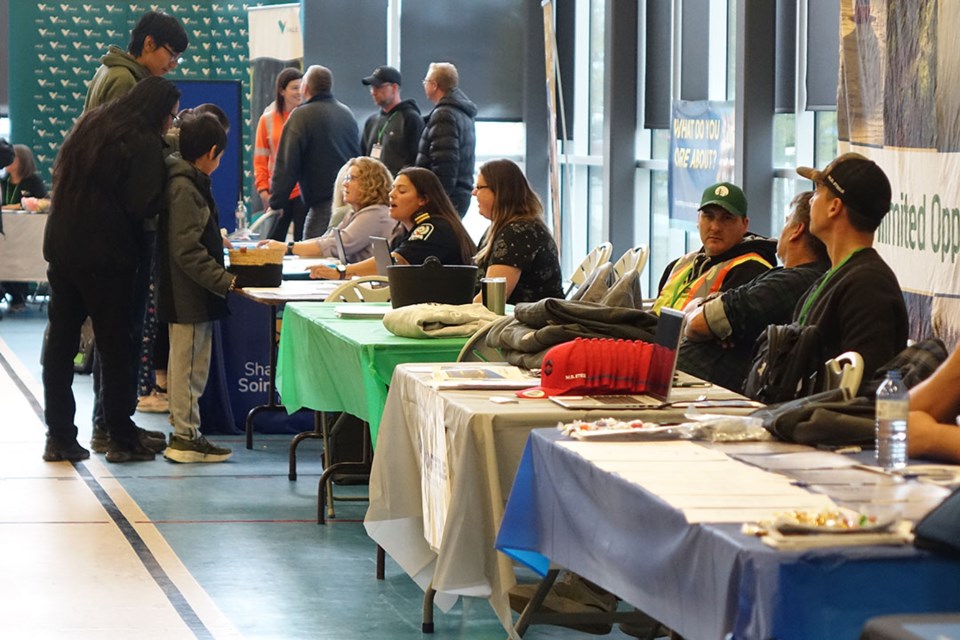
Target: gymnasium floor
pixel 159 550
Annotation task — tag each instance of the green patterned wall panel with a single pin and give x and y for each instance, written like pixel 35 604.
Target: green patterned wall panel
pixel 55 48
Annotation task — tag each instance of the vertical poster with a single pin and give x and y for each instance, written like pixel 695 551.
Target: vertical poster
pixel 701 153
pixel 275 42
pixel 550 60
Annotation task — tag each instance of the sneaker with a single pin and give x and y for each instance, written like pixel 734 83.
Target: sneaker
pixel 137 453
pixel 647 629
pixel 100 439
pixel 156 441
pixel 197 450
pixel 58 451
pixel 156 402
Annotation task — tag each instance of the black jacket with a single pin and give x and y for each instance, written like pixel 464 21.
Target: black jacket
pixel 398 132
pixel 448 145
pixel 318 138
pixel 102 226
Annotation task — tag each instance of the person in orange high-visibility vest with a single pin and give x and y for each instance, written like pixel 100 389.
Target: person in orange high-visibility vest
pixel 730 255
pixel 265 153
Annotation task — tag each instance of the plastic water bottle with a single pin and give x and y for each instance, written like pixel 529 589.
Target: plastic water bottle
pixel 241 215
pixel 893 407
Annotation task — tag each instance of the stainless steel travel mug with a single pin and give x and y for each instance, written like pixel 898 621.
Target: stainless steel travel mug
pixel 494 294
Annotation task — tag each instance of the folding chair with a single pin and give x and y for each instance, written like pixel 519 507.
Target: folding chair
pixel 599 255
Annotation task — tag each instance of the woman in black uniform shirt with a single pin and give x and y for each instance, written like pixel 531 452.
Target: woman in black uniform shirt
pixel 429 226
pixel 517 246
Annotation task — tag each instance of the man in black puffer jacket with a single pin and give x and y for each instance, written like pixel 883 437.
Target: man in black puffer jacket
pixel 448 142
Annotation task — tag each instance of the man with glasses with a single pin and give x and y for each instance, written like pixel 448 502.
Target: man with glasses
pixel 449 139
pixel 156 44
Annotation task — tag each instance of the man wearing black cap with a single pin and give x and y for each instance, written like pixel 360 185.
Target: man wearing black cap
pixel 391 136
pixel 857 304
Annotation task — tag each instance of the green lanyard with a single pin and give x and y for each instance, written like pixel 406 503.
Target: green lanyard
pixel 384 127
pixel 9 194
pixel 816 292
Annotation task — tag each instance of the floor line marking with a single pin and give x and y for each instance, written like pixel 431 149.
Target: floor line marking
pixel 146 556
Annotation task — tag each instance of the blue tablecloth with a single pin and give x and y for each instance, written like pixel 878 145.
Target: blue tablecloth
pixel 705 581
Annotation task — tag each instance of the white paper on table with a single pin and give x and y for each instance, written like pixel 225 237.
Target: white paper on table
pixel 798 499
pixel 801 460
pixel 676 486
pixel 639 451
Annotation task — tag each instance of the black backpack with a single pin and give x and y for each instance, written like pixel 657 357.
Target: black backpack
pixel 787 359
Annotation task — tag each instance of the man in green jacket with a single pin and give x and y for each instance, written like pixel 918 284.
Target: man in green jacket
pixel 154 50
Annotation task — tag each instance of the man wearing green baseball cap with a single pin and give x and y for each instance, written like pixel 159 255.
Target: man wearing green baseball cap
pixel 730 255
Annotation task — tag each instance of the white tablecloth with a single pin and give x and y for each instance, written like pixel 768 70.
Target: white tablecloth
pixel 21 247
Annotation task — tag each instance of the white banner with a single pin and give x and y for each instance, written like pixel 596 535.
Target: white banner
pixel 898 102
pixel 275 32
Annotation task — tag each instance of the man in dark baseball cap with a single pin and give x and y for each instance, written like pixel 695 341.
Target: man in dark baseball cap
pixel 860 183
pixel 393 134
pixel 382 75
pixel 857 304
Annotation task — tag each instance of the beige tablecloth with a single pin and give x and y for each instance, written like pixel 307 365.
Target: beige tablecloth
pixel 21 247
pixel 444 467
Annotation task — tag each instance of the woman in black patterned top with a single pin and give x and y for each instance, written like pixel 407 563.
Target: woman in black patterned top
pixel 517 246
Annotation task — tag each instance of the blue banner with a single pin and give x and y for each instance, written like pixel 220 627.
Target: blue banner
pixel 701 153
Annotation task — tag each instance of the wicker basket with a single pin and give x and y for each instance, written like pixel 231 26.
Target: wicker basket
pixel 259 267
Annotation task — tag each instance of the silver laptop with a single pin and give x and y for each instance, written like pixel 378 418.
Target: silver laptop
pixel 381 254
pixel 666 347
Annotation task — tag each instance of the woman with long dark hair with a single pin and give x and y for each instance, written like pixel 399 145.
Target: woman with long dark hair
pixel 429 226
pixel 517 246
pixel 108 180
pixel 265 152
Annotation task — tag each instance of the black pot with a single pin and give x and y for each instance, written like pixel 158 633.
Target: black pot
pixel 260 275
pixel 431 282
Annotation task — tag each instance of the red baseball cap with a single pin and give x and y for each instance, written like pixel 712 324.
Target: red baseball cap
pixel 593 366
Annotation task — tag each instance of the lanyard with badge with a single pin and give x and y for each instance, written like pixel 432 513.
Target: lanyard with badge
pixel 808 303
pixel 377 150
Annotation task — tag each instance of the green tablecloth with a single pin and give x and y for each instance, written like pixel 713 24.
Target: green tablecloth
pixel 327 363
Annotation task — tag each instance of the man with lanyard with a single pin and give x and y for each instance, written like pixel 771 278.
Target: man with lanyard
pixel 729 257
pixel 857 304
pixel 392 135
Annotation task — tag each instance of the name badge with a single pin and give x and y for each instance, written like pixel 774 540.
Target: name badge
pixel 376 151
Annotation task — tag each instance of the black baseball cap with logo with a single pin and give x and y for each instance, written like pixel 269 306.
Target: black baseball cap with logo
pixel 382 75
pixel 858 181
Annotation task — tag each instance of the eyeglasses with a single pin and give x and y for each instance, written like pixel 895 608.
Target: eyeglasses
pixel 428 81
pixel 347 178
pixel 478 187
pixel 175 119
pixel 174 56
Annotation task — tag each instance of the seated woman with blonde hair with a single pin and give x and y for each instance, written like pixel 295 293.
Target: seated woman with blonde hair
pixel 428 226
pixel 933 429
pixel 366 190
pixel 517 246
